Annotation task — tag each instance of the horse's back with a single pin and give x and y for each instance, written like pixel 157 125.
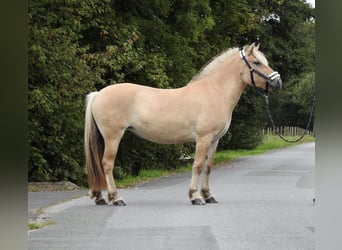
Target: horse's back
pixel 130 94
pixel 154 114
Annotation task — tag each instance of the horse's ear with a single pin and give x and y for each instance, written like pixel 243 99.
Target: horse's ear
pixel 255 48
pixel 249 49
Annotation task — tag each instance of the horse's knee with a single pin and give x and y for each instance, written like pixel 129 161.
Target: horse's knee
pixel 198 169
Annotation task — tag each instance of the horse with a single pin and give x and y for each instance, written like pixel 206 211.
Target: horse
pixel 199 112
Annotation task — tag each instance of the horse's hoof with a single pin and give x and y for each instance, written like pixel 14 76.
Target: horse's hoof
pixel 119 203
pixel 211 200
pixel 197 201
pixel 101 202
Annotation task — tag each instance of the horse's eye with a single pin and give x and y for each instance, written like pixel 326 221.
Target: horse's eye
pixel 256 63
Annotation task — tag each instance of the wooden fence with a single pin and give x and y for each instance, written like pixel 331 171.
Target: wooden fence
pixel 287 131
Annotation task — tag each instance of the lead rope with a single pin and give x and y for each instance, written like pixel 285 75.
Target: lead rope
pixel 274 126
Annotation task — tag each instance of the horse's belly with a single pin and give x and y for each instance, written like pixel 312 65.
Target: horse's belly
pixel 163 132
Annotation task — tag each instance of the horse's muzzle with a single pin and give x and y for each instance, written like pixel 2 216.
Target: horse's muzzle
pixel 275 84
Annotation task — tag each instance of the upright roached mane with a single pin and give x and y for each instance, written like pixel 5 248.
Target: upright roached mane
pixel 200 111
pixel 211 65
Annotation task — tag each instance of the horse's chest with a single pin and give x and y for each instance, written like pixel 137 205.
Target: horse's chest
pixel 223 130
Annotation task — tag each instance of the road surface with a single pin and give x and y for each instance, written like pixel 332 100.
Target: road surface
pixel 265 202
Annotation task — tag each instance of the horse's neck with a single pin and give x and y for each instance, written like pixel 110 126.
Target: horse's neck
pixel 228 80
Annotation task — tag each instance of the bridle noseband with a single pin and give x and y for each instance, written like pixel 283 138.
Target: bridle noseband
pixel 268 78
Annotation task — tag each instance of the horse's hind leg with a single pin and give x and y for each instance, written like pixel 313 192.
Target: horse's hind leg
pixel 205 191
pixel 111 148
pixel 99 200
pixel 201 158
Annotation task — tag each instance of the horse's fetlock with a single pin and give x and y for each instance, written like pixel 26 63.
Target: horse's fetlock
pixel 112 196
pixel 191 193
pixel 206 193
pixel 94 194
pixel 91 194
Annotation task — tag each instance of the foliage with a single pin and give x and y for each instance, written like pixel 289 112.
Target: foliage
pixel 136 154
pixel 76 47
pixel 290 39
pixel 55 103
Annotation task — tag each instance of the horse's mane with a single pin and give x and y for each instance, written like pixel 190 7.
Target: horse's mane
pixel 211 65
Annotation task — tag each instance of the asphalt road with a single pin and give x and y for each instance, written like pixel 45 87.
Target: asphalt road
pixel 265 202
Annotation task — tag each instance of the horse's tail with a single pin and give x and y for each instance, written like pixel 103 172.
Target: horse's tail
pixel 94 148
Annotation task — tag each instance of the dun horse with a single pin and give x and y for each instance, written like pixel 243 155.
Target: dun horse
pixel 201 111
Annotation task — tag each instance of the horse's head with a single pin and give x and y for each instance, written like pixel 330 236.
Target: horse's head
pixel 256 71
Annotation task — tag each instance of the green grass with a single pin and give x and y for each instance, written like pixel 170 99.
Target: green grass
pixel 149 174
pixel 144 175
pixel 38 225
pixel 269 143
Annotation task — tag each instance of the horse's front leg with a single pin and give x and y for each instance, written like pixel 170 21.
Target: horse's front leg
pixel 108 160
pixel 201 159
pixel 205 190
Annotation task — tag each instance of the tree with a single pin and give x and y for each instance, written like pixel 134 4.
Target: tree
pixel 291 40
pixel 63 68
pixel 55 104
pixel 76 47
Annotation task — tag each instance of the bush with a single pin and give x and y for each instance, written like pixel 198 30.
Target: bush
pixel 241 137
pixel 245 137
pixel 135 154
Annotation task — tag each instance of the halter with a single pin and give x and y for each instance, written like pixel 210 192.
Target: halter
pixel 268 78
pixel 260 92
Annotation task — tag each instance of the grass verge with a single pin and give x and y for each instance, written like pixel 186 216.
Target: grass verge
pixel 39 225
pixel 269 143
pixel 146 175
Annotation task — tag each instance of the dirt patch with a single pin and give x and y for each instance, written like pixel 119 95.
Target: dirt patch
pixel 51 186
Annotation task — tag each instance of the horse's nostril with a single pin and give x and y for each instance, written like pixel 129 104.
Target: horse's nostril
pixel 276 84
pixel 280 83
